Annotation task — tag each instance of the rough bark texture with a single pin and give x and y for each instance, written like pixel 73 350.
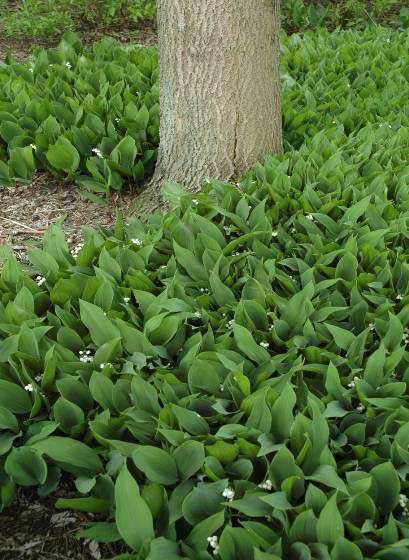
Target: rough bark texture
pixel 220 90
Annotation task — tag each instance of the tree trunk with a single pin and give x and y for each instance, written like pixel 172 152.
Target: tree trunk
pixel 219 90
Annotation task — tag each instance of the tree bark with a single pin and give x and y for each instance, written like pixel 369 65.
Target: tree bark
pixel 219 90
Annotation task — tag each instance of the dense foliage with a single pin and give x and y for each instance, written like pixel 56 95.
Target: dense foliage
pixel 231 379
pixel 92 115
pixel 46 19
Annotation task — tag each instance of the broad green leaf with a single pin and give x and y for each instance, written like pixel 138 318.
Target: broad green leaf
pixel 130 507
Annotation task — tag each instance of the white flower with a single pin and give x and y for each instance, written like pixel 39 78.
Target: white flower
pixel 85 356
pixel 267 485
pixel 274 234
pixel 33 146
pixel 77 249
pixel 236 254
pixel 265 344
pixel 29 388
pixel 353 382
pixel 31 70
pixel 227 229
pixel 136 241
pixel 213 543
pixel 399 297
pixel 293 230
pixel 68 65
pixel 40 280
pixel 371 326
pixel 334 122
pixel 126 299
pixel 97 152
pixel 228 493
pixel 37 378
pixel 198 314
pixel 221 388
pixel 108 364
pixel 403 502
pixel 195 201
pixel 230 324
pixel 271 328
pixel 360 408
pixel 388 40
pixel 310 217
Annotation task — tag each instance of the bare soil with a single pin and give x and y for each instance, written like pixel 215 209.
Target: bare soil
pixel 33 529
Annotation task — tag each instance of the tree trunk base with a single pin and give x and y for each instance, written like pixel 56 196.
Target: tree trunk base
pixel 219 92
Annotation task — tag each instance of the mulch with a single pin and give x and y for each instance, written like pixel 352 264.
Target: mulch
pixel 26 212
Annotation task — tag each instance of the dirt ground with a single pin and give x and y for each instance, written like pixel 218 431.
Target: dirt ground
pixel 26 212
pixel 33 529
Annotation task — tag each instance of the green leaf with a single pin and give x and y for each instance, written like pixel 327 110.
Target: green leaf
pixel 386 486
pixel 342 338
pixel 246 343
pixel 197 538
pixel 26 466
pixel 189 458
pixel 101 532
pixel 101 329
pixel 330 526
pixel 74 456
pixel 14 398
pixel 22 163
pixel 346 550
pixel 63 156
pixel 130 507
pixel 91 504
pixel 157 465
pixel 67 414
pixel 191 421
pixel 278 500
pixel 282 413
pixel 235 544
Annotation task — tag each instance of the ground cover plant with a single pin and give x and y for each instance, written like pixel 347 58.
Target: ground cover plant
pixel 233 375
pixel 89 115
pixel 304 14
pixel 92 115
pixel 48 19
